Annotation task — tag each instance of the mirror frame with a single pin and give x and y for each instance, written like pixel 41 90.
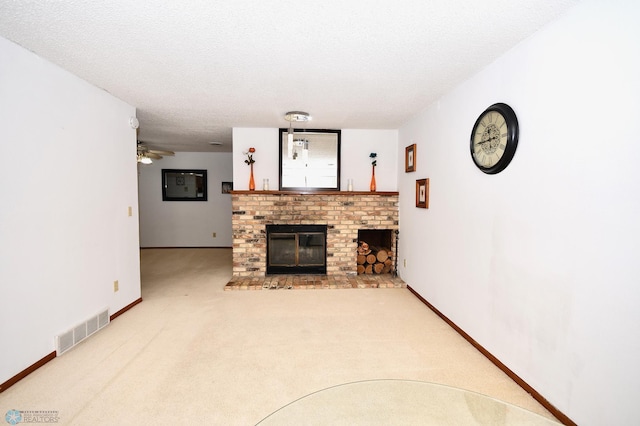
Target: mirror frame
pixel 166 197
pixel 282 134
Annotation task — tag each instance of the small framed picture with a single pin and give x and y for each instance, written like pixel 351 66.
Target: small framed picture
pixel 422 193
pixel 410 158
pixel 227 187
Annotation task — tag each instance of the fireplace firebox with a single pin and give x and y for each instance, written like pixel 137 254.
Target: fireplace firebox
pixel 296 249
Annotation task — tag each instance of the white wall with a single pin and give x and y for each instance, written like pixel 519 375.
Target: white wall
pixel 68 177
pixel 186 223
pixel 541 263
pixel 356 146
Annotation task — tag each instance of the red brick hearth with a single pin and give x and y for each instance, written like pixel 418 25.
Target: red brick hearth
pixel 344 213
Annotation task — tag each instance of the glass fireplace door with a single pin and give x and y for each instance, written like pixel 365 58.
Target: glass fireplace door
pixel 296 251
pixel 282 249
pixel 311 249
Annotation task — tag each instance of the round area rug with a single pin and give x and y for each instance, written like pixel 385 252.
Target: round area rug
pixel 401 402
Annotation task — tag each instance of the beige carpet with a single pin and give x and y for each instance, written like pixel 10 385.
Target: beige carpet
pixel 194 354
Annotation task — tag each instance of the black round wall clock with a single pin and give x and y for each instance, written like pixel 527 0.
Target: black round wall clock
pixel 494 138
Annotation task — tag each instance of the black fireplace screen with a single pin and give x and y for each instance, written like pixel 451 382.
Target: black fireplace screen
pixel 296 249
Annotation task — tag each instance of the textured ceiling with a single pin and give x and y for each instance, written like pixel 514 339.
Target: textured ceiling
pixel 195 69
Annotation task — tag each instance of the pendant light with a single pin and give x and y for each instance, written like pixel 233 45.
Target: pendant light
pixel 291 116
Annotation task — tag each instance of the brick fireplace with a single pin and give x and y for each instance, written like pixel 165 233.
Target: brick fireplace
pixel 343 213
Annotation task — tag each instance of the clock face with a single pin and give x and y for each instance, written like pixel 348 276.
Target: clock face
pixel 490 139
pixel 494 138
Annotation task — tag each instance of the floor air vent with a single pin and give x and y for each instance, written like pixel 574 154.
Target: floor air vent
pixel 77 334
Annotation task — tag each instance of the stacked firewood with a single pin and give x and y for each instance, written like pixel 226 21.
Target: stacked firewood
pixel 374 260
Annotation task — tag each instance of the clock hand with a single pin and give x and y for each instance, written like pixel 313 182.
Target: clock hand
pixel 488 140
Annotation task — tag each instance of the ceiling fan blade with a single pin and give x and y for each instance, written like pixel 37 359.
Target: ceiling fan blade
pixel 153 155
pixel 166 153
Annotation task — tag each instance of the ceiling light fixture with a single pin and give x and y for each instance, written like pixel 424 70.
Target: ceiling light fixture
pixel 297 116
pixel 144 159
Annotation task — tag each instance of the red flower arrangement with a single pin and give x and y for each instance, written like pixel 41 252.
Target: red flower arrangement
pixel 249 155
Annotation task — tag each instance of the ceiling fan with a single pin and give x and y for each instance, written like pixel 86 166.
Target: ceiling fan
pixel 145 154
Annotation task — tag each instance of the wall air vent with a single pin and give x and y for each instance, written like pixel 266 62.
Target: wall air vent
pixel 77 334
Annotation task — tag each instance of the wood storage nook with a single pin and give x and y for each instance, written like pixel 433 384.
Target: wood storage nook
pixel 373 259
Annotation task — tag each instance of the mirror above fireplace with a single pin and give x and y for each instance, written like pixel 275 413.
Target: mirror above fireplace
pixel 311 161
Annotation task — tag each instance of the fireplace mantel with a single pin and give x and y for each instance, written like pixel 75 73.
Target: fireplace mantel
pixel 344 213
pixel 346 193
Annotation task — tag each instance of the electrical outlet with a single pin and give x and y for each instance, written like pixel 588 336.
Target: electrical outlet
pixel 115 286
pixel 214 235
pixel 130 211
pixel 405 263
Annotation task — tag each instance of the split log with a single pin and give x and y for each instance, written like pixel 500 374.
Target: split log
pixel 363 248
pixel 361 259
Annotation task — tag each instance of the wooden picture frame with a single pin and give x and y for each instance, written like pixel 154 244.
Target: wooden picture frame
pixel 422 193
pixel 410 158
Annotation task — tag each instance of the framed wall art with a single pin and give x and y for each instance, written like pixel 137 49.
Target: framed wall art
pixel 227 187
pixel 410 158
pixel 422 193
